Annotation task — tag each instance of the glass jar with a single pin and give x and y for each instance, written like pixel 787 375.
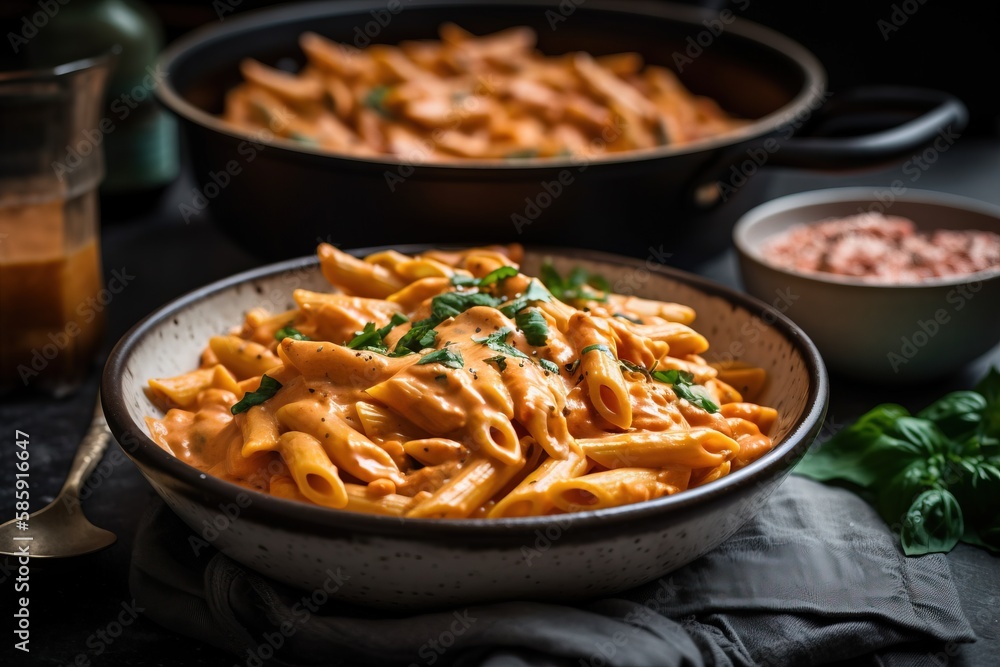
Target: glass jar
pixel 51 289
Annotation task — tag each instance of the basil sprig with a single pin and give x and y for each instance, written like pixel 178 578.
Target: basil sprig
pixel 935 475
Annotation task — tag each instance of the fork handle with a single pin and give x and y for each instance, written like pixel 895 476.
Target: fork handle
pixel 89 454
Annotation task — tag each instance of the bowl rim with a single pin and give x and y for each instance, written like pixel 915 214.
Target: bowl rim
pixel 860 195
pixel 813 73
pixel 319 520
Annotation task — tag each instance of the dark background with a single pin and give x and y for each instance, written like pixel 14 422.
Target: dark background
pixel 950 45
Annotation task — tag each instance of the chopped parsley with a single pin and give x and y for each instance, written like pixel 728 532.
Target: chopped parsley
pixel 450 304
pixel 634 320
pixel 494 276
pixel 290 332
pixel 534 326
pixel 684 386
pixel 535 292
pixel 574 286
pixel 496 342
pixel 597 346
pixel 549 366
pixel 453 304
pixel 500 361
pixel 268 388
pixel 371 338
pixel 446 356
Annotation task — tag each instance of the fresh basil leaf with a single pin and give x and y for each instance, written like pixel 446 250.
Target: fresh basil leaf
pixel 268 388
pixel 551 279
pixel 549 366
pixel 933 524
pixel 458 280
pixel 420 336
pixel 920 432
pixel 497 275
pixel 684 386
pixel 634 320
pixel 957 414
pixel 367 339
pixel 673 376
pixel 394 321
pixel 496 342
pixel 989 425
pixel 573 286
pixel 290 332
pixel 534 326
pixel 500 361
pixel 600 347
pixel 897 495
pixel 535 292
pixel 446 356
pixel 453 304
pixel 857 456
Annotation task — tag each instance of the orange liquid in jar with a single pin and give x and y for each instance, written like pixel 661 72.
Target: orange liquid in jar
pixel 51 315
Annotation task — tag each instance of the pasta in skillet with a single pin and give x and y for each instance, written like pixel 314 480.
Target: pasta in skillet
pixel 469 97
pixel 451 385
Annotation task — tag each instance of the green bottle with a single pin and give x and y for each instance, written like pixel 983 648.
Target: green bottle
pixel 139 138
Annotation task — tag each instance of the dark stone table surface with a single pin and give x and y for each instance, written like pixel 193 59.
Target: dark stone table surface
pixel 72 601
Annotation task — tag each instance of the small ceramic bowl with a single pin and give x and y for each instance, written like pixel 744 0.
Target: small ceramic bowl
pixel 878 332
pixel 417 563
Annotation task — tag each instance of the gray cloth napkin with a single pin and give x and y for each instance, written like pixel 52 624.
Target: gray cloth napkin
pixel 815 578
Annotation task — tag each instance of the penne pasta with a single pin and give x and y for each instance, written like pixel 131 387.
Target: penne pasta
pixel 451 385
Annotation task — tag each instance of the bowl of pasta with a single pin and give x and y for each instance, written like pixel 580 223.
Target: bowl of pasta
pixel 460 425
pixel 517 115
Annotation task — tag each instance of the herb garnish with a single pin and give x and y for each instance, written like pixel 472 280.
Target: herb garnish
pixel 684 387
pixel 495 341
pixel 450 304
pixel 549 366
pixel 290 332
pixel 494 276
pixel 446 356
pixel 500 361
pixel 535 292
pixel 574 286
pixel 371 338
pixel 268 388
pixel 534 326
pixel 937 474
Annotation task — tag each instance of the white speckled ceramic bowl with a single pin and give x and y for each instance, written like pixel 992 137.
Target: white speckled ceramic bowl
pixel 414 563
pixel 877 332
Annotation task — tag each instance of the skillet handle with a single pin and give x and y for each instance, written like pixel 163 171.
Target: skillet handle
pixel 931 113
